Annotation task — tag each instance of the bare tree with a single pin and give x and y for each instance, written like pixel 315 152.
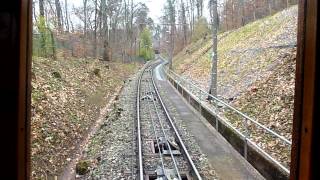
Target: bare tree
pixel 106 48
pixel 270 6
pixel 254 10
pixel 213 82
pixel 85 12
pixel 59 15
pixel 242 12
pixel 95 27
pixel 184 22
pixel 66 15
pixel 189 16
pixel 192 15
pixel 41 29
pixel 41 8
pixel 131 27
pixel 199 8
pixel 172 16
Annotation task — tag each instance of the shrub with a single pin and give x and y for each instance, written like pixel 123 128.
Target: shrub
pixel 146 50
pixel 201 29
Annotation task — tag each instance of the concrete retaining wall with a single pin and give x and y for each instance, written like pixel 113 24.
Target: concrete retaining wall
pixel 258 160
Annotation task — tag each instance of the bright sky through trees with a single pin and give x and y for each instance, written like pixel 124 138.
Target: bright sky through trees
pixel 155 7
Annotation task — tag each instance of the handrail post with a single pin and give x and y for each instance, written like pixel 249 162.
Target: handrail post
pixel 216 112
pixel 193 89
pixel 200 108
pixel 245 138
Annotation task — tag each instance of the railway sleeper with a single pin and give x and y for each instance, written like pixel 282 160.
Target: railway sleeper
pixel 166 174
pixel 164 149
pixel 148 97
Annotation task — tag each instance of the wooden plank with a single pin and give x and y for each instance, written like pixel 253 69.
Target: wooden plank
pixel 304 112
pixel 24 97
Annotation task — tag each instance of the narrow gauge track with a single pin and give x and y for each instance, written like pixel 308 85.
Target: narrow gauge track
pixel 161 150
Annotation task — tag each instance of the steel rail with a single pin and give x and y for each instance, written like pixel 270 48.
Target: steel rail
pixel 194 169
pixel 139 128
pixel 165 135
pixel 156 136
pixel 226 122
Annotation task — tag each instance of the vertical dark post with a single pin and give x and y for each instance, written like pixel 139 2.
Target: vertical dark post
pixel 171 46
pixel 15 45
pixel 213 78
pixel 305 139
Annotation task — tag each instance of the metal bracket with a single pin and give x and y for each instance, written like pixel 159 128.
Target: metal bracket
pixel 147 97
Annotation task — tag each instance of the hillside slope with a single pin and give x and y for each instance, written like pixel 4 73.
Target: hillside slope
pixel 245 55
pixel 67 95
pixel 256 68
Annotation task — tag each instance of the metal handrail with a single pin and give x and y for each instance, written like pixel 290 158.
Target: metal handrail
pixel 232 108
pixel 180 79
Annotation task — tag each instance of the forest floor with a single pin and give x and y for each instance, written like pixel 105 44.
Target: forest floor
pixel 67 97
pixel 256 68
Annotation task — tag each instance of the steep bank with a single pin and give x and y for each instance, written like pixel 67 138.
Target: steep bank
pixel 256 68
pixel 67 96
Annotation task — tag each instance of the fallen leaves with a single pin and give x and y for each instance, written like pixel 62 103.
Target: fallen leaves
pixel 63 107
pixel 259 79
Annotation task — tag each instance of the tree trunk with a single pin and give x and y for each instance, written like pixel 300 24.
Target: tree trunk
pixel 242 12
pixel 53 45
pixel 42 27
pixel 85 28
pixel 184 21
pixel 269 7
pixel 172 31
pixel 201 8
pixel 192 15
pixel 232 15
pixel 34 13
pixel 41 8
pixel 198 9
pixel 106 52
pixel 254 10
pixel 131 28
pixel 189 20
pixel 59 15
pixel 172 47
pixel 213 82
pixel 101 20
pixel 226 15
pixel 71 25
pixel 67 16
pixel 85 17
pixel 95 28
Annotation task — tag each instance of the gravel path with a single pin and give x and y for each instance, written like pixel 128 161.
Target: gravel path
pixel 110 151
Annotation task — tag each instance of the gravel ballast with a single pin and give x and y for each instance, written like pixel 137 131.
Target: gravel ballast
pixel 111 151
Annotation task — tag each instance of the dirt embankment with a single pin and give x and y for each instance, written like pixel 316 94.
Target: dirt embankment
pixel 256 68
pixel 245 55
pixel 67 96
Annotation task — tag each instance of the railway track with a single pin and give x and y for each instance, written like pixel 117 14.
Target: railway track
pixel 161 152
